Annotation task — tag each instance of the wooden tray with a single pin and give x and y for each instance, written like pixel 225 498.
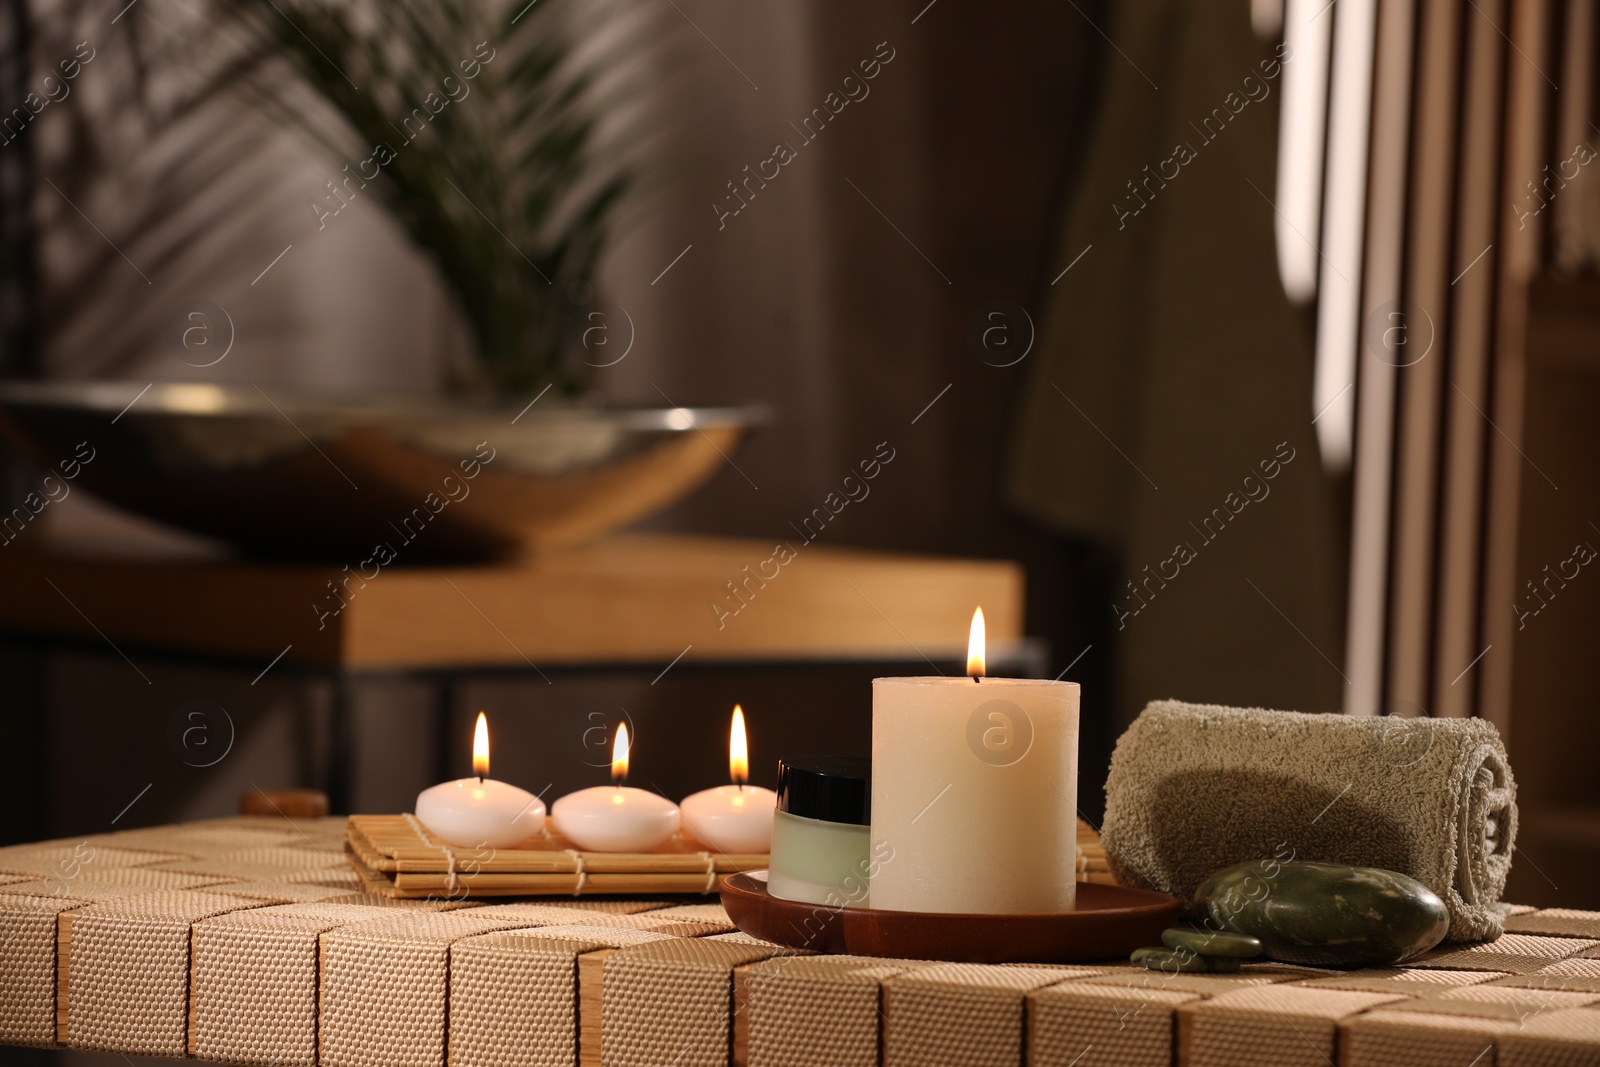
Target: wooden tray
pixel 394 860
pixel 1110 921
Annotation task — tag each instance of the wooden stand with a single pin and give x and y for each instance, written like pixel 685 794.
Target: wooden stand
pixel 642 598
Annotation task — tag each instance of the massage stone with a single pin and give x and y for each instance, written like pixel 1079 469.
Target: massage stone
pixel 1325 914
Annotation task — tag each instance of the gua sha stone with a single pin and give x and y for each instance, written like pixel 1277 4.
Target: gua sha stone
pixel 1212 942
pixel 1325 914
pixel 1183 961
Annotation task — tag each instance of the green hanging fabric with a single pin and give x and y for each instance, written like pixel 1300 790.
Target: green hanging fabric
pixel 1169 410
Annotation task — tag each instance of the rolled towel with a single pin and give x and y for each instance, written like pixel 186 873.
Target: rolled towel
pixel 1195 788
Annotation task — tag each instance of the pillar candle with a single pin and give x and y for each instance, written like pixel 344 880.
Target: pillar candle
pixel 974 787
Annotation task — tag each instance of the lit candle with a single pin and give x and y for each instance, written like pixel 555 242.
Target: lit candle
pixel 737 817
pixel 476 812
pixel 974 792
pixel 616 817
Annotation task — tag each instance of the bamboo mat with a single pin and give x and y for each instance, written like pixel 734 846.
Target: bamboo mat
pixel 252 941
pixel 396 857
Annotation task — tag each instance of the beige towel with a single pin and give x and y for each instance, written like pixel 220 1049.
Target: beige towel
pixel 1195 788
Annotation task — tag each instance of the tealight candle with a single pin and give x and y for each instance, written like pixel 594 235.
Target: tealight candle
pixel 477 812
pixel 616 817
pixel 737 817
pixel 974 792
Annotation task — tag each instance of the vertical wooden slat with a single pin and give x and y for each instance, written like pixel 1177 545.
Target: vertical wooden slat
pixel 1573 102
pixel 1476 261
pixel 1339 287
pixel 1301 135
pixel 1430 238
pixel 1528 89
pixel 1381 315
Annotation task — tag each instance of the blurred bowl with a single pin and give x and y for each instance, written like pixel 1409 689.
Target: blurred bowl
pixel 292 473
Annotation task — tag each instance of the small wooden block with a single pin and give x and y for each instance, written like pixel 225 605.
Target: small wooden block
pixel 740 1056
pixel 591 989
pixel 289 803
pixel 63 969
pixel 194 1000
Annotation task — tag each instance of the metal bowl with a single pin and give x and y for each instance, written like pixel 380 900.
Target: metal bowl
pixel 300 474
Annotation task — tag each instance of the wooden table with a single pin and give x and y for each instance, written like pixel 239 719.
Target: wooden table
pixel 641 598
pixel 248 940
pixel 647 602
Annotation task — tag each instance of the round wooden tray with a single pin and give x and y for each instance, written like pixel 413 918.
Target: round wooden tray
pixel 1110 921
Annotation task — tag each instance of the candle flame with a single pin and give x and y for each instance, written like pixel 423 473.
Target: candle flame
pixel 480 747
pixel 619 756
pixel 738 749
pixel 976 643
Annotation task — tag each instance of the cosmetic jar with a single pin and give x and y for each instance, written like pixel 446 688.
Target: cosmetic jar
pixel 821 833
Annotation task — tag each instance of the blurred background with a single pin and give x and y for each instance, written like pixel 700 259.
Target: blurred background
pixel 1262 335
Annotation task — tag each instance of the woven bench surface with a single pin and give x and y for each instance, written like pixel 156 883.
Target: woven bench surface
pixel 252 940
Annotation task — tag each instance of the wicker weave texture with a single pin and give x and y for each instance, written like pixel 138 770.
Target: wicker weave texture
pixel 384 985
pixel 671 1002
pixel 1417 1039
pixel 128 976
pixel 1556 922
pixel 1290 1026
pixel 1104 1026
pixel 802 1011
pixel 238 941
pixel 1559 1039
pixel 254 990
pixel 961 1014
pixel 514 999
pixel 28 968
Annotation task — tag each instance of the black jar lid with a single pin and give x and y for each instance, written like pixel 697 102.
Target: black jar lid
pixel 831 788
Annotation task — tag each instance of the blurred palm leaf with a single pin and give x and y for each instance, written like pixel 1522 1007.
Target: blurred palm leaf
pixel 503 137
pixel 159 151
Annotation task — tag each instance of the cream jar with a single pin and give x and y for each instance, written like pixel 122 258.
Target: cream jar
pixel 821 832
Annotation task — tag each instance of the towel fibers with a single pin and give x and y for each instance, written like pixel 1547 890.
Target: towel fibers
pixel 1195 788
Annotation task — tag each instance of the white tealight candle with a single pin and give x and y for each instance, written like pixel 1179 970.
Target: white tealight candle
pixel 974 787
pixel 737 817
pixel 615 818
pixel 478 812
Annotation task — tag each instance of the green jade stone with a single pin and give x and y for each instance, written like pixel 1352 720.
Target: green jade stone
pixel 1326 914
pixel 1182 961
pixel 1212 942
